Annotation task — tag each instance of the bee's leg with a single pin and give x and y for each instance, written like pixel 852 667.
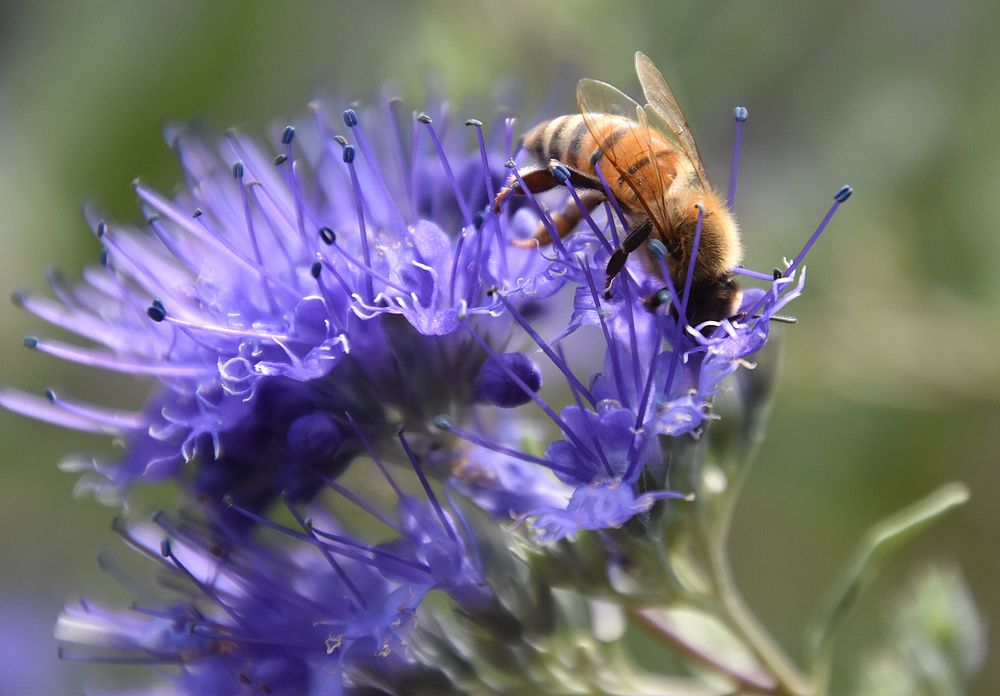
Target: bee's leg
pixel 536 179
pixel 617 261
pixel 565 221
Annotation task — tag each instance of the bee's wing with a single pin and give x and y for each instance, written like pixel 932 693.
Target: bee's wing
pixel 664 106
pixel 606 110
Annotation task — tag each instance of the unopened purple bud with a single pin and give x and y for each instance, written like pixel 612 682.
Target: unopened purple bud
pixel 313 438
pixel 495 386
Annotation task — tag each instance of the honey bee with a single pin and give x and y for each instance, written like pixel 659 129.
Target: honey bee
pixel 658 179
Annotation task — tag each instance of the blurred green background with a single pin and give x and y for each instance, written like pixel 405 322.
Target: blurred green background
pixel 891 382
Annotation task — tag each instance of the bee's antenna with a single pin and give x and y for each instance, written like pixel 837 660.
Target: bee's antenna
pixel 740 114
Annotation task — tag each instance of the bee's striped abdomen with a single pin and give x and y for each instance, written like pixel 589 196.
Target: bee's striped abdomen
pixel 564 138
pixel 636 149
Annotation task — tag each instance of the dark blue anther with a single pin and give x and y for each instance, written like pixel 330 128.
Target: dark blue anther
pixel 442 423
pixel 510 164
pixel 327 235
pixel 424 118
pixel 105 258
pixel 287 135
pixel 474 122
pixel 50 395
pixel 228 501
pixel 658 248
pixel 316 269
pixel 350 118
pixel 156 311
pixel 843 194
pixel 198 212
pixel 238 169
pixel 340 140
pixel 101 229
pixel 740 113
pixel 560 172
pixel 18 298
pixel 165 550
pixel 594 158
pixel 30 341
pixel 348 153
pixel 478 219
pixel 280 160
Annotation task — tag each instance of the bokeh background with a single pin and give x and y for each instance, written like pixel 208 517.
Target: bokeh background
pixel 891 382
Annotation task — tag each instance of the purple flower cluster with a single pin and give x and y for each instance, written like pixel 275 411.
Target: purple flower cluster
pixel 289 618
pixel 296 311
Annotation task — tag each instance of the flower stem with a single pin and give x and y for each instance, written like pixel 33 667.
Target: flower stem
pixel 741 620
pixel 735 612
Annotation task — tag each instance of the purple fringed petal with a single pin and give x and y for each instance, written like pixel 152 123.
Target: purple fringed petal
pixel 604 505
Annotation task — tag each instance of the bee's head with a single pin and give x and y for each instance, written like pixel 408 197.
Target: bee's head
pixel 713 301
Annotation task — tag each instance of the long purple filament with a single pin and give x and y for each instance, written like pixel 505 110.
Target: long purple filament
pixel 682 310
pixel 734 167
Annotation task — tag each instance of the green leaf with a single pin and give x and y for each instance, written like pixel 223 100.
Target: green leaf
pixel 936 643
pixel 883 537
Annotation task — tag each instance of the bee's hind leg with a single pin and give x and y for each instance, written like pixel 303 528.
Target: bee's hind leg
pixel 565 221
pixel 536 179
pixel 540 179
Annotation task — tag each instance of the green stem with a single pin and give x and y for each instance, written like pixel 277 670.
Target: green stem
pixel 738 616
pixel 735 612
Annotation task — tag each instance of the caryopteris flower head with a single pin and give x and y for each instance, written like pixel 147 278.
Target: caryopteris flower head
pixel 271 297
pixel 296 313
pixel 284 618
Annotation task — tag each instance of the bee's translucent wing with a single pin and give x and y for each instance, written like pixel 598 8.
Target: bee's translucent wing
pixel 664 105
pixel 618 124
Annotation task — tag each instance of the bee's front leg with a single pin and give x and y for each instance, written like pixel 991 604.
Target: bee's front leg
pixel 617 261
